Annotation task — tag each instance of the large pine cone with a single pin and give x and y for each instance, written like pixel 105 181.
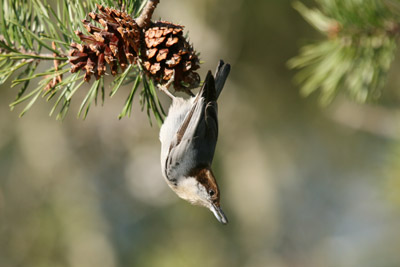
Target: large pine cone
pixel 163 50
pixel 117 42
pixel 167 51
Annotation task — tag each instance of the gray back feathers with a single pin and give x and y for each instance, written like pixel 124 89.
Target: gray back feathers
pixel 194 143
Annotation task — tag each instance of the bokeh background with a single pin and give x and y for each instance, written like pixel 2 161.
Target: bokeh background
pixel 302 185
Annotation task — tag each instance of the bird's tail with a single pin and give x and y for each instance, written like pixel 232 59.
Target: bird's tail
pixel 213 85
pixel 221 74
pixel 208 91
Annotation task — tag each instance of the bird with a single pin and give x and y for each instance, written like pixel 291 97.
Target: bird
pixel 188 139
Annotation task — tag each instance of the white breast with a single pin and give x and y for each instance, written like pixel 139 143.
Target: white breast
pixel 176 115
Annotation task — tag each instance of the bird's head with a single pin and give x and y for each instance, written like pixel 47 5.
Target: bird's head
pixel 201 188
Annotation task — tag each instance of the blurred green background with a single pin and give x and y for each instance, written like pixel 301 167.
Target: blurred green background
pixel 301 185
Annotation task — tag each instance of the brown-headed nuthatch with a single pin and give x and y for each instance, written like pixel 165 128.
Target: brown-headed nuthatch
pixel 188 139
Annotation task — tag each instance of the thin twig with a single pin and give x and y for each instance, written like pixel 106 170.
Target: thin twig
pixel 143 20
pixel 58 78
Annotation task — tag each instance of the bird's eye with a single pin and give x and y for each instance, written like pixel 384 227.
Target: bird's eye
pixel 211 192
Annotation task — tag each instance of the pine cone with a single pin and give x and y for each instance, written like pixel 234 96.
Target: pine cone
pixel 163 50
pixel 167 51
pixel 117 43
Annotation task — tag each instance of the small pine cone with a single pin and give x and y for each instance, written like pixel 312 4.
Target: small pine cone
pixel 166 51
pixel 117 43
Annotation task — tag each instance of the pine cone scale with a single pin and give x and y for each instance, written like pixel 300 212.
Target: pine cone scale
pixel 162 54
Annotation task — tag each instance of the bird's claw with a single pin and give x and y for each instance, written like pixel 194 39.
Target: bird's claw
pixel 164 88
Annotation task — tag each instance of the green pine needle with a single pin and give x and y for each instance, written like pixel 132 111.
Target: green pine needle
pixel 33 33
pixel 355 57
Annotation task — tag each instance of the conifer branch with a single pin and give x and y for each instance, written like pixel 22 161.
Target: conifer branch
pixel 144 19
pixel 357 51
pixel 84 39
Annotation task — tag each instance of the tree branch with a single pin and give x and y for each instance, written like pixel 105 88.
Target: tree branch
pixel 143 20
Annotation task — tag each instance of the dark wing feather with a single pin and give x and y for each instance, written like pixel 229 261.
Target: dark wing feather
pixel 199 131
pixel 195 116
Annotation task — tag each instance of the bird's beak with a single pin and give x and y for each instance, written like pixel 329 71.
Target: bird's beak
pixel 219 214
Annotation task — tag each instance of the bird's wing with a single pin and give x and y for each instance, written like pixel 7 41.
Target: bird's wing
pixel 196 138
pixel 210 95
pixel 203 110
